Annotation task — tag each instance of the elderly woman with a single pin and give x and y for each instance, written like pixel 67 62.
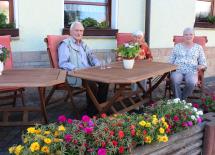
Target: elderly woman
pixel 145 52
pixel 189 57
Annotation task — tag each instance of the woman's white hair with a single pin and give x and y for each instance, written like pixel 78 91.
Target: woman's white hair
pixel 138 33
pixel 75 23
pixel 188 30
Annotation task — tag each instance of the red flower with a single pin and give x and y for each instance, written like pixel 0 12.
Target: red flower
pixel 121 149
pixel 111 133
pixel 103 144
pixel 133 132
pixel 196 105
pixel 114 143
pixel 121 134
pixel 132 127
pixel 213 97
pixel 69 121
pixel 103 115
pixel 203 99
pixel 167 116
pixel 68 138
pixel 175 118
pixel 144 132
pixel 168 130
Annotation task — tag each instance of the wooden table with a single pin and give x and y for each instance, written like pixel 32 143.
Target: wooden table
pixel 118 75
pixel 39 78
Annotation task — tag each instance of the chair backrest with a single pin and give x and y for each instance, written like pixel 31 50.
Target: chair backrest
pixel 201 40
pixel 52 42
pixel 5 41
pixel 122 38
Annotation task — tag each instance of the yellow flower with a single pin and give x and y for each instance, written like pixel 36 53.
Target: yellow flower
pixel 35 146
pixel 148 139
pixel 148 125
pixel 162 119
pixel 142 123
pixel 159 138
pixel 45 149
pixel 161 130
pixel 138 133
pixel 57 140
pixel 165 125
pixel 38 131
pixel 61 128
pixel 165 139
pixel 56 133
pixel 47 133
pixel 31 130
pixel 155 121
pixel 18 149
pixel 47 140
pixel 25 140
pixel 154 116
pixel 11 149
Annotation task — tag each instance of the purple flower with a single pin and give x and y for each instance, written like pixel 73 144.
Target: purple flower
pixel 102 151
pixel 68 138
pixel 88 130
pixel 190 123
pixel 199 120
pixel 62 119
pixel 90 123
pixel 69 121
pixel 85 118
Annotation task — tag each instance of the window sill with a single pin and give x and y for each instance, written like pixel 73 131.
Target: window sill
pixel 204 25
pixel 11 32
pixel 96 32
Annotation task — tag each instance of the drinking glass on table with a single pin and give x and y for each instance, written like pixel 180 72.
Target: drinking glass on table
pixel 102 64
pixel 109 60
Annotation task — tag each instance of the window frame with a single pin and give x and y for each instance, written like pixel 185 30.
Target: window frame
pixel 11 10
pixel 14 32
pixel 207 24
pixel 93 31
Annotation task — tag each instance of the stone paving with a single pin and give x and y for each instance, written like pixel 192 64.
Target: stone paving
pixel 12 135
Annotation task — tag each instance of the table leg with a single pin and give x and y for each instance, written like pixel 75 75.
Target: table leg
pixel 43 103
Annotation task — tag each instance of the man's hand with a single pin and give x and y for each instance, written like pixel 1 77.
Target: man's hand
pixel 201 67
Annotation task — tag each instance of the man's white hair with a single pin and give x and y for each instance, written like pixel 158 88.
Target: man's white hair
pixel 74 24
pixel 138 33
pixel 188 30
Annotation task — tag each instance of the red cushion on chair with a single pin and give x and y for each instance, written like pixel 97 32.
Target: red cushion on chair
pixel 123 38
pixel 53 42
pixel 201 40
pixel 5 41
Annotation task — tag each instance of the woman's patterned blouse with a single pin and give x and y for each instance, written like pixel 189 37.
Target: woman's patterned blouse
pixel 188 59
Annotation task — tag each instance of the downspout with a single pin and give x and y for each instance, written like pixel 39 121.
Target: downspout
pixel 147 21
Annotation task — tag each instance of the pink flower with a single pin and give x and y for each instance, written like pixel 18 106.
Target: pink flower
pixel 103 115
pixel 68 138
pixel 213 97
pixel 62 119
pixel 199 120
pixel 88 130
pixel 203 99
pixel 184 124
pixel 190 123
pixel 69 121
pixel 90 123
pixel 85 118
pixel 102 151
pixel 175 118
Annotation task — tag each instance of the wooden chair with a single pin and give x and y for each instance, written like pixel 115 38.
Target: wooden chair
pixel 122 38
pixel 201 40
pixel 52 42
pixel 6 91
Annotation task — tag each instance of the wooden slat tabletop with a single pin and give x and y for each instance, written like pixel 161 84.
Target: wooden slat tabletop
pixel 38 77
pixel 117 74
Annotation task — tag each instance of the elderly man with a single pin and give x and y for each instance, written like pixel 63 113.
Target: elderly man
pixel 189 57
pixel 74 54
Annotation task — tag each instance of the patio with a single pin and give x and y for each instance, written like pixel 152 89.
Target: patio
pixel 11 135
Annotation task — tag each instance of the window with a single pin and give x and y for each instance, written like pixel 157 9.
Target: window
pixel 94 14
pixel 79 10
pixel 205 9
pixel 6 7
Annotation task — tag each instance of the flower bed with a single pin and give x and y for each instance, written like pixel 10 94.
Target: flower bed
pixel 117 134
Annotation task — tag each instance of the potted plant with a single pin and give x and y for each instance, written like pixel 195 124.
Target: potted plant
pixel 4 54
pixel 128 52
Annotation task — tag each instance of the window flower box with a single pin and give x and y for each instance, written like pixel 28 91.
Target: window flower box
pixel 11 32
